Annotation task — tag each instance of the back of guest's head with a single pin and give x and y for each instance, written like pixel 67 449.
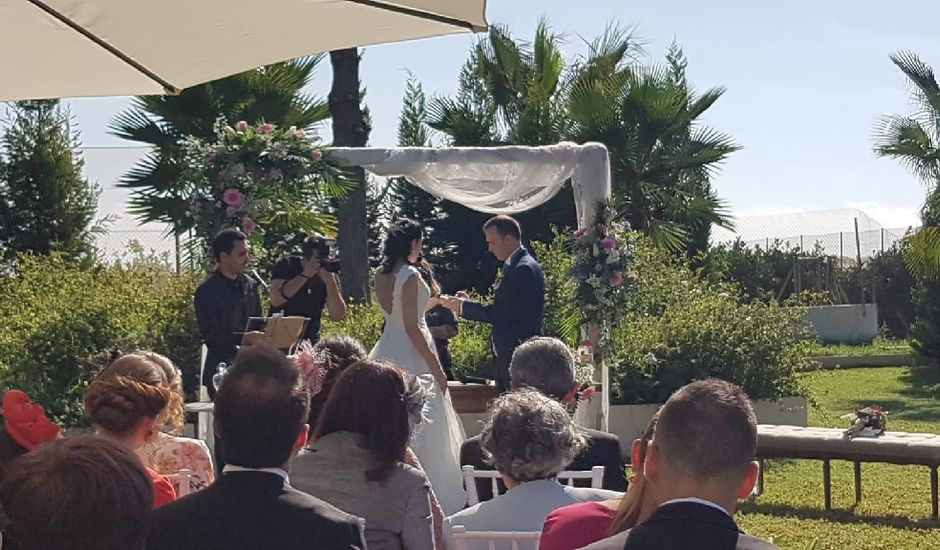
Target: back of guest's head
pixel 78 493
pixel 132 387
pixel 381 403
pixel 173 416
pixel 505 226
pixel 338 352
pixel 224 241
pixel 707 431
pixel 545 364
pixel 530 436
pixel 260 409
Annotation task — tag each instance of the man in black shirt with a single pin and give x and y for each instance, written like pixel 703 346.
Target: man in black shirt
pixel 301 286
pixel 442 323
pixel 224 302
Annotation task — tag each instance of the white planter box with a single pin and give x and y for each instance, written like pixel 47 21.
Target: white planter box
pixel 629 421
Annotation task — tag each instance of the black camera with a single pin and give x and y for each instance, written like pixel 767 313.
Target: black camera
pixel 323 248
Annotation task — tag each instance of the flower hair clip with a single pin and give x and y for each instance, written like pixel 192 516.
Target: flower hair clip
pixel 312 366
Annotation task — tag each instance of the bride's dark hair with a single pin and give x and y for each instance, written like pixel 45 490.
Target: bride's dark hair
pixel 398 242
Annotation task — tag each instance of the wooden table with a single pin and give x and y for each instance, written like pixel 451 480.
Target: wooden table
pixel 471 398
pixel 827 444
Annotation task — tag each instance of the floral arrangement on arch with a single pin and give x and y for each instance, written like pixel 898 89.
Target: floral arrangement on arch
pixel 601 270
pixel 258 176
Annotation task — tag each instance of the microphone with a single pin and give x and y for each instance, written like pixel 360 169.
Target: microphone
pixel 257 278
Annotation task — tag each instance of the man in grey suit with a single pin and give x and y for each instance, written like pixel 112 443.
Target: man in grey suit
pixel 260 415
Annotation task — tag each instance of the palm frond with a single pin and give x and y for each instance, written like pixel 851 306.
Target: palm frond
pixel 922 252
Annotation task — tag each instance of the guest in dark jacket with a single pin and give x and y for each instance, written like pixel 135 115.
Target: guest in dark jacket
pixel 547 365
pixel 699 463
pixel 260 413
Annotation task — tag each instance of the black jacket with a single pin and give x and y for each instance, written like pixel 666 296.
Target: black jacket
pixel 685 525
pixel 253 511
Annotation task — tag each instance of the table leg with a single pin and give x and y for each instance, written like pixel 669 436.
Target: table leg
pixel 858 482
pixel 760 478
pixel 827 484
pixel 933 491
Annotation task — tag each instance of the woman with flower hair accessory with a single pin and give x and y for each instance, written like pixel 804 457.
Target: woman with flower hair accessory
pixel 356 458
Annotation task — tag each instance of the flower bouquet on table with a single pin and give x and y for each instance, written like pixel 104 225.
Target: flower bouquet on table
pixel 866 422
pixel 602 274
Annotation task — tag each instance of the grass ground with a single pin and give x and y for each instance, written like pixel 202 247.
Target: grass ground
pixel 880 346
pixel 895 508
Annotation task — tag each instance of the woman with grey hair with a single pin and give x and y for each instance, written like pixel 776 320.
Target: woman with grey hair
pixel 528 438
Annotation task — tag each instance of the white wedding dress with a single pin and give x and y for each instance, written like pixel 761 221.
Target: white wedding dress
pixel 437 441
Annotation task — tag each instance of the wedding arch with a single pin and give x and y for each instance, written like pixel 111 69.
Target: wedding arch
pixel 500 180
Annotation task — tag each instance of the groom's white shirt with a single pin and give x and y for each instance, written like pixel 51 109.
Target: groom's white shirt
pixel 509 259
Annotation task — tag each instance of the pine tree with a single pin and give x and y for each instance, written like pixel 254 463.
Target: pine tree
pixel 46 204
pixel 410 201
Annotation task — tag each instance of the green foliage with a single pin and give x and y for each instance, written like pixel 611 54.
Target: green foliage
pixel 46 205
pixel 160 190
pixel 57 319
pixel 363 321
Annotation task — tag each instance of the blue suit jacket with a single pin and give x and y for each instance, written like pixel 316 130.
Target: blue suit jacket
pixel 518 306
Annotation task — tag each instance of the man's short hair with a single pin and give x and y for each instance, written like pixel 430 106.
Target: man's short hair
pixel 260 408
pixel 78 493
pixel 504 225
pixel 224 241
pixel 707 430
pixel 545 364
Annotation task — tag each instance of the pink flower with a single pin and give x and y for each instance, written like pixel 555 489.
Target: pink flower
pixel 580 232
pixel 609 243
pixel 232 197
pixel 248 226
pixel 266 129
pixel 598 268
pixel 230 211
pixel 588 393
pixel 241 126
pixel 316 154
pixel 616 278
pixel 301 134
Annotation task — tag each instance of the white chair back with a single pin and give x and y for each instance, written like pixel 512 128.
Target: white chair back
pixel 567 477
pixel 494 540
pixel 595 474
pixel 181 480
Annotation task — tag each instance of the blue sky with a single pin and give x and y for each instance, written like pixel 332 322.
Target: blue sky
pixel 806 81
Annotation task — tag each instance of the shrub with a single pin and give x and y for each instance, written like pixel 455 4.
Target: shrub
pixel 680 327
pixel 57 319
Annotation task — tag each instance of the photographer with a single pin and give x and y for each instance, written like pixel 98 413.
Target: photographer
pixel 303 284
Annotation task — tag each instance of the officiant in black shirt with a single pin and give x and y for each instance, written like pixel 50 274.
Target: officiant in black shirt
pixel 224 302
pixel 302 285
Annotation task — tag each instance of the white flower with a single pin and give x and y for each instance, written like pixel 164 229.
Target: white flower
pixel 614 257
pixel 596 251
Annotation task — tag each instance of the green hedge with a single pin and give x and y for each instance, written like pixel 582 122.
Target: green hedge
pixel 57 319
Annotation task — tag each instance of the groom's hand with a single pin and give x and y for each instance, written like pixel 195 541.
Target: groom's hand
pixel 452 303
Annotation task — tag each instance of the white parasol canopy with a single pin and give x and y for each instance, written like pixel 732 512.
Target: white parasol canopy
pixel 75 48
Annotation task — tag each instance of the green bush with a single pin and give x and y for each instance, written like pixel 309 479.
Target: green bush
pixel 58 319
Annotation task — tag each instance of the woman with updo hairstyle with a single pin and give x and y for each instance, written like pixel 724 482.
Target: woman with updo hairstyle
pixel 123 404
pixel 338 351
pixel 356 458
pixel 167 452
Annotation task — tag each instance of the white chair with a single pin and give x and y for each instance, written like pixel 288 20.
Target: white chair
pixel 567 477
pixel 518 540
pixel 181 481
pixel 203 408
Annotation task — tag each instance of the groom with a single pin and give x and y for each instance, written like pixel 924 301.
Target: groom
pixel 519 304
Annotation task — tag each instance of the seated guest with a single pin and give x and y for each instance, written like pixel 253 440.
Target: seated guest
pixel 528 438
pixel 260 414
pixel 581 524
pixel 167 452
pixel 123 404
pixel 355 460
pixel 547 365
pixel 338 352
pixel 25 427
pixel 699 463
pixel 78 493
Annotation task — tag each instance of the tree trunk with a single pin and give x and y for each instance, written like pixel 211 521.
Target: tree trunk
pixel 350 129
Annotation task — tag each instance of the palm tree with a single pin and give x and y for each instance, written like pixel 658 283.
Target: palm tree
pixel 159 190
pixel 914 140
pixel 662 158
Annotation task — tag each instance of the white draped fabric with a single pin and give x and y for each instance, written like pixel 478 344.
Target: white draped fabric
pixel 496 180
pixel 501 180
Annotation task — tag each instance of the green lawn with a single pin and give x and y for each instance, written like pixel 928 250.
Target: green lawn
pixel 895 507
pixel 880 346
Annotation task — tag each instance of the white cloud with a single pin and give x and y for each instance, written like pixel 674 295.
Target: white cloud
pixel 894 217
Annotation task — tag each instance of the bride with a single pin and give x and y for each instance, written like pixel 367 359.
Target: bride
pixel 404 297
